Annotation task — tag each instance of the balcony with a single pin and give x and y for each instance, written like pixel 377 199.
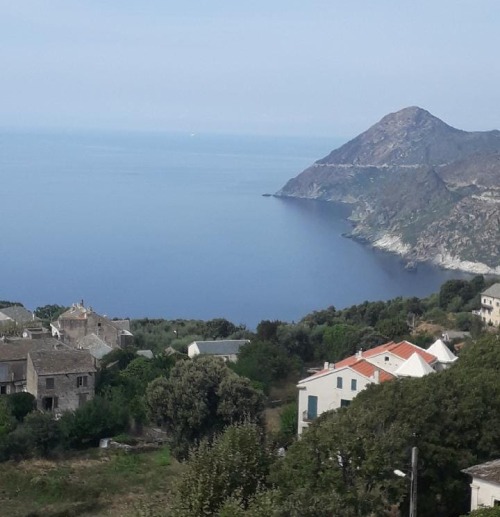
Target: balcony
pixel 307 417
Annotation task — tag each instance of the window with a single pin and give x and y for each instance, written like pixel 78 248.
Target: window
pixel 386 358
pixel 344 403
pixel 312 407
pixel 49 383
pixel 81 381
pixel 339 383
pixel 354 384
pixel 3 390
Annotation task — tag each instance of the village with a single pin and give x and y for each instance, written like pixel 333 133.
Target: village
pixel 59 367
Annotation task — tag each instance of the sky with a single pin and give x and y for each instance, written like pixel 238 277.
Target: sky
pixel 269 67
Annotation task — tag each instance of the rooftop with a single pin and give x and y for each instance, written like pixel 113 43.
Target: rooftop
pixel 493 291
pixel 18 349
pixel 489 471
pixel 360 361
pixel 220 347
pixel 442 352
pixel 60 362
pixel 18 314
pixel 403 350
pixel 415 366
pixel 95 345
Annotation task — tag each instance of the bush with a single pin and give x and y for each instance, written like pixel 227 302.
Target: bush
pixel 98 418
pixel 20 404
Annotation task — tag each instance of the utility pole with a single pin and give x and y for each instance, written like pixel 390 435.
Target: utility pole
pixel 413 482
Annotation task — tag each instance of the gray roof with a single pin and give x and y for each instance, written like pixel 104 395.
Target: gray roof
pixel 56 362
pixel 489 471
pixel 18 349
pixel 221 347
pixel 493 291
pixel 95 345
pixel 18 314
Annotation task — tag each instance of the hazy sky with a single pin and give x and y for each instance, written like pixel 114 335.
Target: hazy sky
pixel 309 67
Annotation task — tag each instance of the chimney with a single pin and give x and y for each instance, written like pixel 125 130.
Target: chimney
pixel 376 376
pixel 326 366
pixel 359 353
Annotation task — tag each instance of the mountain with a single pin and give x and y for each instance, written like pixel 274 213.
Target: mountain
pixel 418 187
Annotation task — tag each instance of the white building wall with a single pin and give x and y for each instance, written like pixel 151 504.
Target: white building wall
pixel 329 396
pixel 193 350
pixel 484 494
pixel 386 361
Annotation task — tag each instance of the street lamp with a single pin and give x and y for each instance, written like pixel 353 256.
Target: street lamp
pixel 413 481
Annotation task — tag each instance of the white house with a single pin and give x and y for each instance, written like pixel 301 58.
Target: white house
pixel 490 305
pixel 485 486
pixel 337 384
pixel 227 349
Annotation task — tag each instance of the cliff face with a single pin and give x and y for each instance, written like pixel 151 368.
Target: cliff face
pixel 418 187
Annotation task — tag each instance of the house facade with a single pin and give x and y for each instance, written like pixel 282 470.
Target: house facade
pixel 60 380
pixel 490 305
pixel 226 349
pixel 485 485
pixel 336 385
pixel 80 321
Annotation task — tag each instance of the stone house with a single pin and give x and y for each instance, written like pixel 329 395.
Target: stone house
pixel 336 385
pixel 490 305
pixel 60 380
pixel 13 355
pixel 80 321
pixel 227 349
pixel 485 486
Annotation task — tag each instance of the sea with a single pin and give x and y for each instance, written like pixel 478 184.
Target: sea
pixel 166 225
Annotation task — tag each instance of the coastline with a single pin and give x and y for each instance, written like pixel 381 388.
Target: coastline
pixel 393 244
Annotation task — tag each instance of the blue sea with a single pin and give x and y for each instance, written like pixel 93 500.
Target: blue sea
pixel 175 226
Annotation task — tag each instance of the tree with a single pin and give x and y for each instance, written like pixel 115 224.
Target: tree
pixel 289 422
pixel 199 399
pixel 339 341
pixel 393 328
pixel 219 328
pixel 451 289
pixel 235 466
pixel 267 330
pixel 295 340
pixel 98 418
pixel 7 420
pixel 264 362
pixel 20 404
pixel 49 313
pixel 43 430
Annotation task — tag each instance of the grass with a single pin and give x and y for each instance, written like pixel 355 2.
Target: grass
pixel 106 483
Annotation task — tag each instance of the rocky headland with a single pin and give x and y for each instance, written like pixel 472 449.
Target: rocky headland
pixel 418 187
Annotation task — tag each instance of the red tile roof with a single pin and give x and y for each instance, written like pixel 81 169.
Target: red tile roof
pixel 404 350
pixel 359 365
pixel 368 370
